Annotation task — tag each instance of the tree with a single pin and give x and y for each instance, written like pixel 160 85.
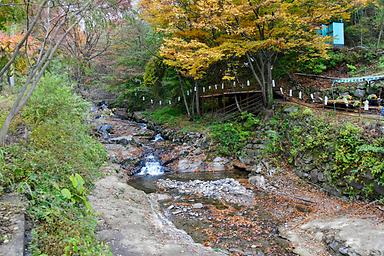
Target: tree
pixel 201 33
pixel 58 20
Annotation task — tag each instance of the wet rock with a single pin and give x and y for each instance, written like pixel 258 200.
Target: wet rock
pixel 104 130
pixel 186 165
pixel 120 154
pixel 258 181
pixel 123 140
pixel 218 164
pixel 239 165
pixel 343 251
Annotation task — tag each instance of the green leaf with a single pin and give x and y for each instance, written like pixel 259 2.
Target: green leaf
pixel 66 193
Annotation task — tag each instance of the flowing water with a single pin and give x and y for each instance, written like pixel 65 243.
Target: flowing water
pixel 239 229
pixel 152 166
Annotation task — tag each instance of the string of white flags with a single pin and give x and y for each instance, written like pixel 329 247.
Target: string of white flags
pixel 286 93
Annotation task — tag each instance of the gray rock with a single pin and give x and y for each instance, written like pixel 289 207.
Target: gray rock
pixel 334 245
pixel 379 189
pixel 186 165
pixel 104 130
pixel 258 169
pixel 246 160
pixel 218 164
pixel 315 175
pixel 197 206
pixel 343 250
pixel 258 181
pixel 320 176
pixel 123 140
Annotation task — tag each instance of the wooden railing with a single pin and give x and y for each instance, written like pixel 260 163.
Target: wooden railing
pixel 253 104
pixel 229 89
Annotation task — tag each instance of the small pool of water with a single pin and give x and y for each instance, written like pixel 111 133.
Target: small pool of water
pixel 148 183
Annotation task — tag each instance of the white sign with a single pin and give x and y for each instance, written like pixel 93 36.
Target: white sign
pixel 326 100
pixel 290 93
pixel 300 95
pixel 366 105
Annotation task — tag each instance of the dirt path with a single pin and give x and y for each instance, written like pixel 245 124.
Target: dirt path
pixel 320 224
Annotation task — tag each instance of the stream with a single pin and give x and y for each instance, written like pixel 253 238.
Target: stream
pixel 179 198
pixel 216 208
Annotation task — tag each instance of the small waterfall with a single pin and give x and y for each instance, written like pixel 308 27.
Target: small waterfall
pixel 158 137
pixel 152 167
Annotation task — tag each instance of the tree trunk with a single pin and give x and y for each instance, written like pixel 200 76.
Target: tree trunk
pixel 380 33
pixel 198 112
pixel 193 103
pixel 257 78
pixel 237 104
pixel 268 84
pixel 29 86
pixel 184 98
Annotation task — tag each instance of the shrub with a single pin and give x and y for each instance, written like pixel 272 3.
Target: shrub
pixel 59 146
pixel 347 157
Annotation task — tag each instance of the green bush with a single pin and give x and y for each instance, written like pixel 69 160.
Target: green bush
pixel 342 151
pixel 168 115
pixel 59 145
pixel 233 136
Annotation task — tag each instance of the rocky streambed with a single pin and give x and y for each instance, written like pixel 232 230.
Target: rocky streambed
pixel 171 197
